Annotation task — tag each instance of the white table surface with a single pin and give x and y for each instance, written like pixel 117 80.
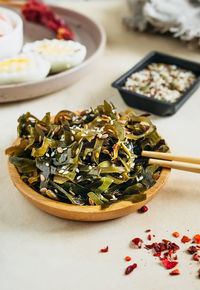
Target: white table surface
pixel 39 251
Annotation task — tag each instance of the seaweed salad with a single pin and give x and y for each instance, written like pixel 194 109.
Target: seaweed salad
pixel 91 157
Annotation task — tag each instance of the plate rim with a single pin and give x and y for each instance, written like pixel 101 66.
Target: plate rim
pixel 97 52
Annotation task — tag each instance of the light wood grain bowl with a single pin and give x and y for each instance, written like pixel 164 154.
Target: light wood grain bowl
pixel 84 213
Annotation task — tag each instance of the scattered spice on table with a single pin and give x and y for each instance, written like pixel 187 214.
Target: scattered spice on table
pixel 185 239
pixel 130 269
pixel 197 239
pixel 143 209
pixel 127 258
pixel 104 250
pixel 175 272
pixel 166 252
pixel 161 81
pixel 176 234
pixel 137 242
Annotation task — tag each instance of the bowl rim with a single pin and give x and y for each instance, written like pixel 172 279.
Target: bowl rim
pixel 30 193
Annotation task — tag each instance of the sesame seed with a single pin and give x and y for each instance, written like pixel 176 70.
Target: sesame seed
pixel 90 167
pixel 47 164
pixel 77 170
pixel 59 150
pixel 47 154
pixel 72 138
pixel 61 171
pixel 52 154
pixel 78 177
pixel 42 178
pixel 43 189
pixel 98 120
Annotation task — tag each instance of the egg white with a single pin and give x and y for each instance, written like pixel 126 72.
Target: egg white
pixel 62 54
pixel 25 67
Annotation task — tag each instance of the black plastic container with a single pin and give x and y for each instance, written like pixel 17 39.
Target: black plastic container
pixel 152 105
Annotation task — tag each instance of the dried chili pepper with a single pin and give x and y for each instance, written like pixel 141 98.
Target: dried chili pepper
pixel 127 258
pixel 196 257
pixel 176 234
pixel 39 12
pixel 175 272
pixel 138 242
pixel 149 237
pixel 143 209
pixel 130 269
pixel 168 264
pixel 191 250
pixel 104 250
pixel 185 239
pixel 197 239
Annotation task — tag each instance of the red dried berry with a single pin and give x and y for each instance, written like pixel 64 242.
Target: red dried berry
pixel 185 239
pixel 130 269
pixel 127 258
pixel 143 209
pixel 196 257
pixel 104 250
pixel 175 272
pixel 149 237
pixel 138 242
pixel 168 264
pixel 197 239
pixel 176 234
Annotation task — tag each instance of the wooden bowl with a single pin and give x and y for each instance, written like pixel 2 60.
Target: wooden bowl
pixel 84 213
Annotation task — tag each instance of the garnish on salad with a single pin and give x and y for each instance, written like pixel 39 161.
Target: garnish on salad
pixel 91 157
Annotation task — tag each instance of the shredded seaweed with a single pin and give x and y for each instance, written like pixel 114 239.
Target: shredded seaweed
pixel 91 157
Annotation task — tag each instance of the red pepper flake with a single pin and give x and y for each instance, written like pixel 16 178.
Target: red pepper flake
pixel 138 242
pixel 157 254
pixel 176 234
pixel 104 250
pixel 130 269
pixel 154 236
pixel 147 231
pixel 143 209
pixel 175 258
pixel 175 272
pixel 199 273
pixel 127 258
pixel 185 239
pixel 149 237
pixel 168 264
pixel 196 257
pixel 197 239
pixel 191 250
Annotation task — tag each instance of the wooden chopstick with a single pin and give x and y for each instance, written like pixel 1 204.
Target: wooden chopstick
pixel 194 165
pixel 12 3
pixel 169 156
pixel 176 165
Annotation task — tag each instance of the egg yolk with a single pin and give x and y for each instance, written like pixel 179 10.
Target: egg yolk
pixel 14 64
pixel 54 50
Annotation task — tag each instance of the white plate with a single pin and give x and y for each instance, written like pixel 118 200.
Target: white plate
pixel 86 31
